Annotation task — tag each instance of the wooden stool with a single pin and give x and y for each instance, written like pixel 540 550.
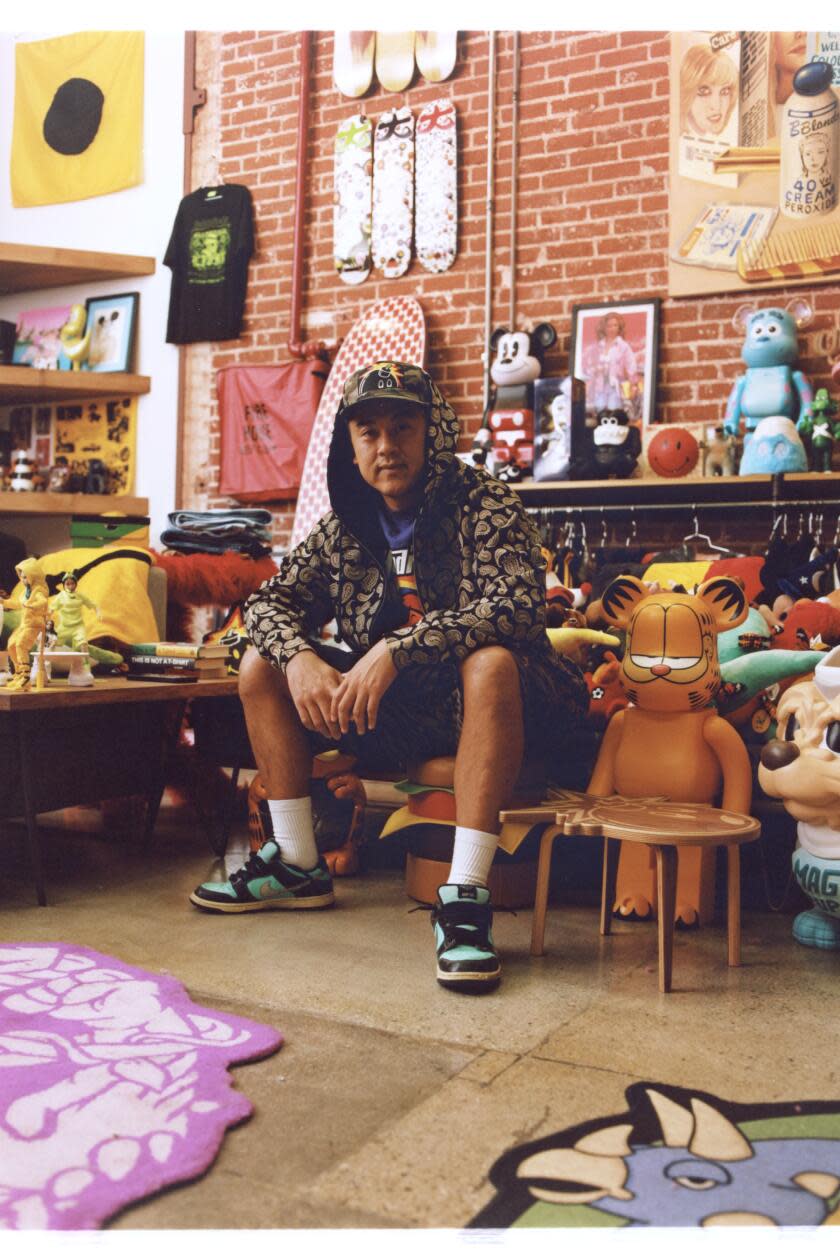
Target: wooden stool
pixel 666 826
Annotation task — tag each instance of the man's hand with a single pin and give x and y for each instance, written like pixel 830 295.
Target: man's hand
pixel 360 691
pixel 313 685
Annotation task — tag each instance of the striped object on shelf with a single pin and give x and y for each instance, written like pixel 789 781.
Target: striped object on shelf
pixel 796 255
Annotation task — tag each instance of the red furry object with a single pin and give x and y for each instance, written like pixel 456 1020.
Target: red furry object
pixel 201 579
pixel 809 619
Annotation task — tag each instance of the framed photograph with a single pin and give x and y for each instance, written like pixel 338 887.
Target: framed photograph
pixel 111 323
pixel 614 352
pixel 38 338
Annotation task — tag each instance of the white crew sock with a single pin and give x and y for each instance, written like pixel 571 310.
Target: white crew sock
pixel 291 822
pixel 472 856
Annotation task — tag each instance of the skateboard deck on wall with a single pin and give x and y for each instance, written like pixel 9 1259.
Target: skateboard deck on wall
pixel 391 329
pixel 436 186
pixel 395 59
pixel 353 172
pixel 353 61
pixel 435 52
pixel 393 192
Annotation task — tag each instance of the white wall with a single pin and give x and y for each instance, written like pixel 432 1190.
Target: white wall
pixel 134 221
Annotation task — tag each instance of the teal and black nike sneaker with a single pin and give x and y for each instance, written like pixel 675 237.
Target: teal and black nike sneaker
pixel 266 882
pixel 466 956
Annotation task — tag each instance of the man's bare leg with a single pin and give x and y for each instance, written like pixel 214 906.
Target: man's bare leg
pixel 278 739
pixel 492 740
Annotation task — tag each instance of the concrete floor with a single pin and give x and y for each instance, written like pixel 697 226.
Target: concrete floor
pixel 392 1097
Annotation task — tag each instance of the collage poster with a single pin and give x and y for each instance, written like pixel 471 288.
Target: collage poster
pixel 729 90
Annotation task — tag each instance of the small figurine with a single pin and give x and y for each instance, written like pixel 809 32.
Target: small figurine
pixel 66 608
pixel 75 342
pixel 819 431
pixel 718 453
pixel 671 741
pixel 59 478
pixel 96 479
pixel 34 607
pixel 771 386
pixel 505 441
pixel 23 471
pixel 612 450
pixel 553 439
pixel 801 767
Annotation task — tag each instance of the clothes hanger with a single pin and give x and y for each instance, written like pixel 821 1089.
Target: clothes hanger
pixel 696 536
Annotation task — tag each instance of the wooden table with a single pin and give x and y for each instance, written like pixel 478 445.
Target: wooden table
pixel 665 826
pixel 70 745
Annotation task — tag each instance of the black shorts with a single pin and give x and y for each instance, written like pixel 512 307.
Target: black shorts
pixel 420 714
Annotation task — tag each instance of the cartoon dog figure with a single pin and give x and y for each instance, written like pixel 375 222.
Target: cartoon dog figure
pixel 670 741
pixel 801 767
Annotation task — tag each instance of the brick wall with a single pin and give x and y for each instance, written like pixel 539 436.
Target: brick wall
pixel 592 212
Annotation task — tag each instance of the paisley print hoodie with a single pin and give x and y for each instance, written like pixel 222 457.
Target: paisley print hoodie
pixel 477 562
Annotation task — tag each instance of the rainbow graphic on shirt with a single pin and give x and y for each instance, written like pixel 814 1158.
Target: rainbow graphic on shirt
pixel 403 562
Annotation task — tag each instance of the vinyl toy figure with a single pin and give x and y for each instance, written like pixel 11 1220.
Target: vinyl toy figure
pixel 670 741
pixel 801 767
pixel 771 386
pixel 821 430
pixel 33 605
pixel 505 442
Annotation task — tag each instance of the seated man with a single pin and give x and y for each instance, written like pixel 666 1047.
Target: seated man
pixel 434 575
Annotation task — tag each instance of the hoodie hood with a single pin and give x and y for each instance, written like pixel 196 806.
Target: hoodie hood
pixel 356 504
pixel 31 571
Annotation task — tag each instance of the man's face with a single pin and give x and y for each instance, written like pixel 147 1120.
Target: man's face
pixel 389 449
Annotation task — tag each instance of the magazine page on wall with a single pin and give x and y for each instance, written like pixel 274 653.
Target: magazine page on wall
pixel 754 160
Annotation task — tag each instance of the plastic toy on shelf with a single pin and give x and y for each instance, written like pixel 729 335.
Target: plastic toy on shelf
pixel 30 634
pixel 821 430
pixel 505 442
pixel 771 388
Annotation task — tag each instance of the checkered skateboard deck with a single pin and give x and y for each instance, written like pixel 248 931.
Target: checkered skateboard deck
pixel 353 190
pixel 393 192
pixel 436 186
pixel 391 329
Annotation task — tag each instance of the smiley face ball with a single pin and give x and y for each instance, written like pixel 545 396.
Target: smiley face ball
pixel 673 453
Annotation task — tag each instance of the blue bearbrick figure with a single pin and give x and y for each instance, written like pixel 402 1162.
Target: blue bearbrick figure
pixel 771 386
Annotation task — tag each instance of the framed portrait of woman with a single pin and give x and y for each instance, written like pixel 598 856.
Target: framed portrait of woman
pixel 614 351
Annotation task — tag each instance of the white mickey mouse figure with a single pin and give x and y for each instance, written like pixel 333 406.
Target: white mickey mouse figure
pixel 506 439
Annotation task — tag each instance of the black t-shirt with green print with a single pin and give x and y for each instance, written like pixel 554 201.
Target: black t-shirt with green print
pixel 212 240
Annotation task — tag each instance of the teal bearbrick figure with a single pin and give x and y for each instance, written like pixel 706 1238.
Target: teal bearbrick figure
pixel 821 431
pixel 771 386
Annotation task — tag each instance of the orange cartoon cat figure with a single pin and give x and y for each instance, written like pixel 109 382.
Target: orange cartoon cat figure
pixel 670 742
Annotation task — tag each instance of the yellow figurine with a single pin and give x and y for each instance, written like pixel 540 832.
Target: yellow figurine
pixel 34 608
pixel 66 608
pixel 75 342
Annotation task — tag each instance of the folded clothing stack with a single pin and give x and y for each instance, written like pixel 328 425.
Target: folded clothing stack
pixel 246 530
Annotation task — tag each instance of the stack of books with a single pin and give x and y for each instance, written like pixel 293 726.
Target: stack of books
pixel 177 662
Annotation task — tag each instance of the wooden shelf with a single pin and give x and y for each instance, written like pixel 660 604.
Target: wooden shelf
pixel 43 503
pixel 34 385
pixel 637 492
pixel 24 267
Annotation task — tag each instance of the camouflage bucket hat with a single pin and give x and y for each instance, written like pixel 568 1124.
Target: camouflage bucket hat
pixel 387 380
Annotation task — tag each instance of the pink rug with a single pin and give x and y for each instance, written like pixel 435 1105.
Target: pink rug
pixel 113 1084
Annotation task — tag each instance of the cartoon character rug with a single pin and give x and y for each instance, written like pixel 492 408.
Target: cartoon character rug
pixel 676 1157
pixel 113 1084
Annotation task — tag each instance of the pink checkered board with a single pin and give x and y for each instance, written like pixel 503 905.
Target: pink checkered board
pixel 391 329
